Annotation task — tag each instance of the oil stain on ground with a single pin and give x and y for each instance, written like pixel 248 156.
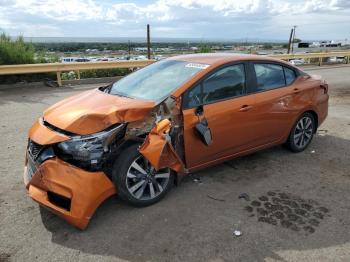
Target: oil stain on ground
pixel 289 211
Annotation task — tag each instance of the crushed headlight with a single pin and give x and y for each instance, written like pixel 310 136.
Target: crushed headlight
pixel 89 149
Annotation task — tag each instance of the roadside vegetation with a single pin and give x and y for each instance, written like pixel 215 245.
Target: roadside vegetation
pixel 96 73
pixel 15 51
pixel 204 49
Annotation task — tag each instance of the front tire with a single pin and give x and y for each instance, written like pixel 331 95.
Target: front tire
pixel 137 182
pixel 302 133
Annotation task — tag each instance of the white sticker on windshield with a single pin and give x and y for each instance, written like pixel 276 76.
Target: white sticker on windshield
pixel 200 66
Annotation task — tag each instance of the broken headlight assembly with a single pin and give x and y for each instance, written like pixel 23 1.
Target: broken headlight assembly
pixel 87 151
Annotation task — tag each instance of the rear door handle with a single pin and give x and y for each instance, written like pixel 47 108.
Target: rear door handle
pixel 296 91
pixel 245 108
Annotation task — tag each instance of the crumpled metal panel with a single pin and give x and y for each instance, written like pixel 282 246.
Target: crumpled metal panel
pixel 44 136
pixel 93 111
pixel 157 148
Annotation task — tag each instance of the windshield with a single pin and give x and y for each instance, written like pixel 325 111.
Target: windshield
pixel 156 81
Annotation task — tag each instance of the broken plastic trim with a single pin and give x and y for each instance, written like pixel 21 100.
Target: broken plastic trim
pixel 158 149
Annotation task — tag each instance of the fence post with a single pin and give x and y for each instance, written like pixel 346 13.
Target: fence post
pixel 59 80
pixel 78 73
pixel 347 59
pixel 319 61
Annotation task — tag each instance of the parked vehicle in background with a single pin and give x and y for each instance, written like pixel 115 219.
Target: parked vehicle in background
pixel 336 59
pixel 140 135
pixel 74 59
pixel 82 60
pixel 68 59
pixel 297 61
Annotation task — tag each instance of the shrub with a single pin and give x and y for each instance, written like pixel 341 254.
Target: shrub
pixel 104 73
pixel 15 51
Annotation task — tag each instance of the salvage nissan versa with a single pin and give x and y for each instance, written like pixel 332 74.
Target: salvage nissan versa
pixel 140 135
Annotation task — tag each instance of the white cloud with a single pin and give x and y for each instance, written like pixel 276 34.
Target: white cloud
pixel 61 10
pixel 170 18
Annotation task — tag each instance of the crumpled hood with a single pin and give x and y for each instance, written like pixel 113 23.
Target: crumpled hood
pixel 93 111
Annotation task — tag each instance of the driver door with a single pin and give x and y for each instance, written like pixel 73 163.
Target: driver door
pixel 221 101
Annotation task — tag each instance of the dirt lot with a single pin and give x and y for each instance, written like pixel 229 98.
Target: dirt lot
pixel 298 206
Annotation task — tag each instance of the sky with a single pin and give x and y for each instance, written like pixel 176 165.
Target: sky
pixel 204 19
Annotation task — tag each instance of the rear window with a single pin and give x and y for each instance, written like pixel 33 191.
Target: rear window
pixel 269 76
pixel 290 75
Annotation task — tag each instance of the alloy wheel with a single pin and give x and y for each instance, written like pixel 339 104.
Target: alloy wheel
pixel 303 132
pixel 144 182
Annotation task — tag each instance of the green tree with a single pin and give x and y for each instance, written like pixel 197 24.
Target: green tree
pixel 267 46
pixel 15 51
pixel 204 49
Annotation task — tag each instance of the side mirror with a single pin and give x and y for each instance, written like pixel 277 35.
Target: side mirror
pixel 204 132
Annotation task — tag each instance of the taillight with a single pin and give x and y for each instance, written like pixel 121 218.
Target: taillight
pixel 324 86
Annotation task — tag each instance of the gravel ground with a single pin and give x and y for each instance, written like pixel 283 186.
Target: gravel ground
pixel 295 207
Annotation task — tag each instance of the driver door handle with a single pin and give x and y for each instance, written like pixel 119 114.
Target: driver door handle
pixel 245 108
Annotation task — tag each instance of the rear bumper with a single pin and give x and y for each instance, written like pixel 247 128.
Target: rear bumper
pixel 322 109
pixel 68 191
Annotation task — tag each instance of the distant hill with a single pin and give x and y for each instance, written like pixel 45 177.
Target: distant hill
pixel 143 40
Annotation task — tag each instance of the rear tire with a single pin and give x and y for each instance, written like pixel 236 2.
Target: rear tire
pixel 137 182
pixel 302 133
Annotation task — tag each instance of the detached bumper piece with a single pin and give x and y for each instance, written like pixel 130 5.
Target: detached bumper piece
pixel 68 191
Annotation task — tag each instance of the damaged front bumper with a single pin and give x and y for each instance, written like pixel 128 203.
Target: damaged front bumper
pixel 67 190
pixel 70 192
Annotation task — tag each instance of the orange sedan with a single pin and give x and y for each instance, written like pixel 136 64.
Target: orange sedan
pixel 140 135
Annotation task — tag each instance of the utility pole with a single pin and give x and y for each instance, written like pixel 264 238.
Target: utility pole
pixel 148 43
pixel 129 50
pixel 290 40
pixel 294 27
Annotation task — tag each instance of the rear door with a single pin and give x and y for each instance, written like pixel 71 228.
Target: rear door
pixel 221 100
pixel 279 96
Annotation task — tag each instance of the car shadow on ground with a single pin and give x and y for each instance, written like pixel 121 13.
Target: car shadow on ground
pixel 195 220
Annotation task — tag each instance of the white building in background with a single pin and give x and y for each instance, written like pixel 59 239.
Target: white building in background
pixel 344 42
pixel 328 43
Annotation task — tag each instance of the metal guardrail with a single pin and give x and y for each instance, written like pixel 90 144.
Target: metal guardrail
pixel 64 67
pixel 311 55
pixel 308 56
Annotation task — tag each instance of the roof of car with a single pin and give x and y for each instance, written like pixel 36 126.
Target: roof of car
pixel 221 58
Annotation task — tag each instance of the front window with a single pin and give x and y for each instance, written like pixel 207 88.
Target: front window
pixel 228 82
pixel 225 83
pixel 156 81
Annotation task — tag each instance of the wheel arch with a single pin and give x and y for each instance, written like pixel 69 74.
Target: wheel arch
pixel 308 110
pixel 139 140
pixel 315 115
